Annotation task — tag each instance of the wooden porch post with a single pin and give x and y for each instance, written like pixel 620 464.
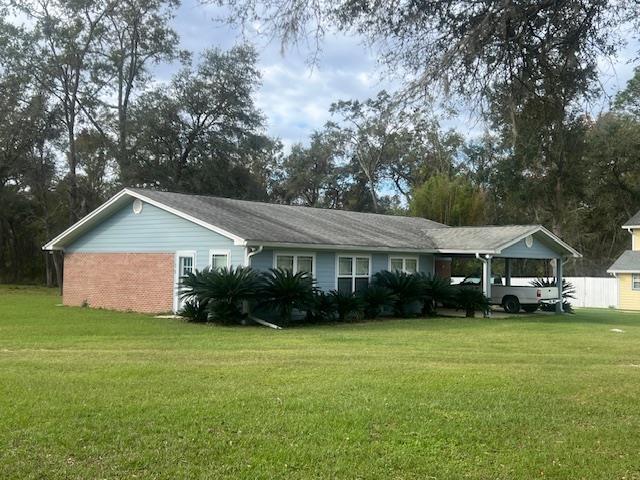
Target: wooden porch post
pixel 507 272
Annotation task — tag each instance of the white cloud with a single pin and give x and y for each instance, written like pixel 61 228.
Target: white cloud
pixel 296 97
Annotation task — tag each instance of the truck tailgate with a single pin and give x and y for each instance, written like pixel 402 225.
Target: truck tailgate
pixel 548 293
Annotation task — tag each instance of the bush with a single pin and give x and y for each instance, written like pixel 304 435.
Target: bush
pixel 376 299
pixel 568 292
pixel 407 288
pixel 321 309
pixel 471 300
pixel 435 290
pixel 221 292
pixel 283 291
pixel 347 305
pixel 195 312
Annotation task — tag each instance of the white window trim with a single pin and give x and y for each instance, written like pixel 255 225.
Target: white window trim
pixel 353 268
pixel 404 259
pixel 295 256
pixel 176 272
pixel 218 251
pixel 632 282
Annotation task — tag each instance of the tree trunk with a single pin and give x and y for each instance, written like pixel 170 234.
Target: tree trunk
pixel 48 274
pixel 73 180
pixel 58 263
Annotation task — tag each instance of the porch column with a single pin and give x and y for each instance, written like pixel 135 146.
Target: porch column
pixel 486 281
pixel 507 272
pixel 559 284
pixel 486 276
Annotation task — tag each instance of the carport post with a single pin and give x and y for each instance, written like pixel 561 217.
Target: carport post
pixel 559 285
pixel 486 280
pixel 507 272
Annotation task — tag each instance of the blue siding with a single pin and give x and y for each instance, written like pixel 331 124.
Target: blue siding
pixel 326 263
pixel 426 264
pixel 326 270
pixel 379 261
pixel 263 260
pixel 538 250
pixel 154 230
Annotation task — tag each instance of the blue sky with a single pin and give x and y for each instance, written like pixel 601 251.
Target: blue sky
pixel 296 98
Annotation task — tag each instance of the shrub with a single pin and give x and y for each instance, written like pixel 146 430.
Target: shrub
pixel 568 292
pixel 376 299
pixel 221 292
pixel 283 291
pixel 406 288
pixel 347 305
pixel 321 309
pixel 195 312
pixel 471 300
pixel 435 290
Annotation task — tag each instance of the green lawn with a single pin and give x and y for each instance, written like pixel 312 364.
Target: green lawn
pixel 95 394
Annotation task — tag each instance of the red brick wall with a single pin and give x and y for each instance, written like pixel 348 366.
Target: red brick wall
pixel 443 267
pixel 140 282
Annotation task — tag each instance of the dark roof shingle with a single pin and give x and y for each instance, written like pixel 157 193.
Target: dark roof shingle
pixel 267 222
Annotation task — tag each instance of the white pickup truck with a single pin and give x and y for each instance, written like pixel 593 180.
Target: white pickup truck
pixel 513 298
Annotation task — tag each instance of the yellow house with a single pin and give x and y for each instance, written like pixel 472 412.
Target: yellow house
pixel 627 268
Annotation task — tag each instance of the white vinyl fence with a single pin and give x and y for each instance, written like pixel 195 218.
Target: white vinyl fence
pixel 596 292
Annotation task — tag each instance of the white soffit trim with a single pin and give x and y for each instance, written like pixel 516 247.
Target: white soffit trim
pixel 236 239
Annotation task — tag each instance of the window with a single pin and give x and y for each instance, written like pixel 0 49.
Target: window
pixel 635 281
pixel 185 265
pixel 219 259
pixel 295 262
pixel 353 274
pixel 403 264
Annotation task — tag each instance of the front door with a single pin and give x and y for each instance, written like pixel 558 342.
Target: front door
pixel 185 264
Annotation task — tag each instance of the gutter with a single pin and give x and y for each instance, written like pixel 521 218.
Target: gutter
pixel 253 252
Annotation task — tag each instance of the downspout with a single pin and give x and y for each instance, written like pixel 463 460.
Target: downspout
pixel 253 252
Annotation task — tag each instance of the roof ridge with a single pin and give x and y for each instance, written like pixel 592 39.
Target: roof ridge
pixel 328 209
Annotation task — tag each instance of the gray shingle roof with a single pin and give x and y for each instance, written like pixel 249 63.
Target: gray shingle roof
pixel 629 261
pixel 633 221
pixel 267 222
pixel 258 222
pixel 479 238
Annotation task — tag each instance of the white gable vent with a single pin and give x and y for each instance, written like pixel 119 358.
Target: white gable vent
pixel 137 206
pixel 529 241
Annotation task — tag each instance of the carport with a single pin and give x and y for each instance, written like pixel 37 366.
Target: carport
pixel 505 243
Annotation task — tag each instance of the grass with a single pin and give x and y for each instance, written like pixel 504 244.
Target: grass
pixel 88 394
